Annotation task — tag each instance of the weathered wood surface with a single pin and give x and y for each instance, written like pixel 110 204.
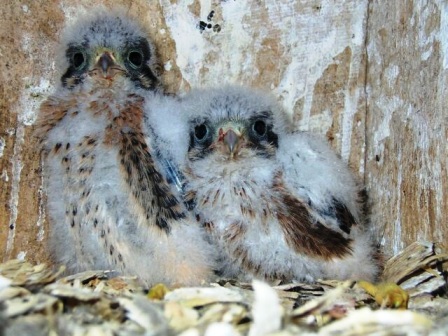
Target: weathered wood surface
pixel 407 121
pixel 382 107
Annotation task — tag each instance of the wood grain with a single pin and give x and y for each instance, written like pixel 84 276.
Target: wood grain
pixel 407 121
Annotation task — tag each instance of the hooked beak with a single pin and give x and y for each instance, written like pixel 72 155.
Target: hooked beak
pixel 106 66
pixel 231 141
pixel 105 62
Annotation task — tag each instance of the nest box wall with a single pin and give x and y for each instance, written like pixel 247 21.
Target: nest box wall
pixel 370 75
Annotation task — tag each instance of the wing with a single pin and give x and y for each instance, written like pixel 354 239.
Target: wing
pixel 167 131
pixel 52 111
pixel 314 174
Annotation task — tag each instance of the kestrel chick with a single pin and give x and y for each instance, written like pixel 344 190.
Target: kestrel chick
pixel 109 203
pixel 278 204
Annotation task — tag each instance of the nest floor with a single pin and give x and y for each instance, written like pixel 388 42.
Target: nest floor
pixel 35 300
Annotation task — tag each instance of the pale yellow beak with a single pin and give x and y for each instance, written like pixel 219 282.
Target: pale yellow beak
pixel 106 66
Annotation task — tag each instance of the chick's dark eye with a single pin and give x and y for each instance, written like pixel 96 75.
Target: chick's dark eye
pixel 259 127
pixel 78 60
pixel 135 59
pixel 200 132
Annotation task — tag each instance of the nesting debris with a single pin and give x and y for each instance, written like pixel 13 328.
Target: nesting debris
pixel 266 310
pixel 417 269
pixel 37 301
pixel 24 274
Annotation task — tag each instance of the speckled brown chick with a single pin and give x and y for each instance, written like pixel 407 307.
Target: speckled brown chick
pixel 277 204
pixel 109 202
